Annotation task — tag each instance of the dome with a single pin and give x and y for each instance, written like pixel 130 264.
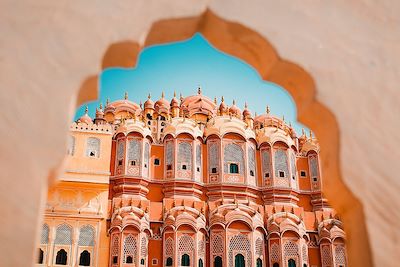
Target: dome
pixel 234 110
pixel 162 105
pixel 99 112
pixel 222 107
pixel 199 104
pixel 123 105
pixel 246 112
pixel 85 118
pixel 174 102
pixel 149 104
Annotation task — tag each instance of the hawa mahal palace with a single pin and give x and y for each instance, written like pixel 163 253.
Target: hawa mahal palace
pixel 189 182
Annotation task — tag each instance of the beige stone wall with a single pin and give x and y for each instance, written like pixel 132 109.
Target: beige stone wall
pixel 50 48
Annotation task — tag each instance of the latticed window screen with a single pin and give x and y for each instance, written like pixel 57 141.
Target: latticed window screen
pixel 143 247
pixel 340 255
pixel 304 253
pixel 115 246
pixel 93 147
pixel 121 149
pixel 213 152
pixel 86 236
pixel 169 152
pixel 241 244
pixel 44 237
pixel 146 155
pixel 266 161
pixel 201 248
pixel 290 249
pixel 134 150
pixel 169 247
pixel 274 253
pixel 63 235
pixel 217 244
pixel 185 155
pixel 130 248
pixel 326 256
pixel 233 153
pixel 313 166
pixel 252 160
pixel 293 164
pixel 198 155
pixel 185 246
pixel 281 162
pixel 259 247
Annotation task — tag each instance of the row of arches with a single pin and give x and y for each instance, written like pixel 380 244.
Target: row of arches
pixel 57 245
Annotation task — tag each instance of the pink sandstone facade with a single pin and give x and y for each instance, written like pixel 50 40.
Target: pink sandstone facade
pixel 189 182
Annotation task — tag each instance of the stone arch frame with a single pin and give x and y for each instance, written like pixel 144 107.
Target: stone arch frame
pixel 249 46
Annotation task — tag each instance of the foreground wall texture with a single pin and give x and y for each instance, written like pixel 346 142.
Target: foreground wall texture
pixel 49 48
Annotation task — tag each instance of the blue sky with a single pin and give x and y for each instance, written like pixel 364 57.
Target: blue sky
pixel 183 66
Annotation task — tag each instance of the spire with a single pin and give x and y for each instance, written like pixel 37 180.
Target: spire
pixel 149 96
pixel 107 101
pixel 283 117
pixel 215 100
pixel 86 110
pixel 162 94
pixel 101 106
pixel 199 90
pixel 245 104
pixel 141 104
pixel 268 110
pixel 311 134
pixel 174 93
pixel 222 99
pixel 303 133
pixel 233 102
pixel 126 96
pixel 181 97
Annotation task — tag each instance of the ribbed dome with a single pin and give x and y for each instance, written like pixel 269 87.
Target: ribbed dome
pixel 149 103
pixel 162 105
pixel 174 102
pixel 222 107
pixel 234 110
pixel 246 112
pixel 85 118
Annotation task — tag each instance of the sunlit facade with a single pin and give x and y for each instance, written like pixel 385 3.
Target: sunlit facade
pixel 189 182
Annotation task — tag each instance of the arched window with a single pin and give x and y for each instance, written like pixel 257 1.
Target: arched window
pixel 275 264
pixel 40 256
pixel 130 249
pixel 200 263
pixel 61 258
pixel 259 262
pixel 168 262
pixel 142 261
pixel 129 259
pixel 84 258
pixel 239 260
pixel 185 260
pixel 305 265
pixel 115 259
pixel 291 263
pixel 184 156
pixel 93 147
pixel 281 164
pixel 218 261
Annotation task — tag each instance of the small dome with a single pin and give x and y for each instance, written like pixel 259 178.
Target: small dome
pixel 246 112
pixel 234 110
pixel 85 118
pixel 149 104
pixel 223 108
pixel 174 102
pixel 99 112
pixel 162 105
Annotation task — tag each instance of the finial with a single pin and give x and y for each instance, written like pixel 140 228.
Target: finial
pixel 174 93
pixel 162 94
pixel 199 90
pixel 245 104
pixel 180 97
pixel 303 132
pixel 255 114
pixel 126 95
pixel 86 109
pixel 222 99
pixel 290 124
pixel 233 102
pixel 101 105
pixel 283 117
pixel 107 101
pixel 268 110
pixel 149 96
pixel 215 100
pixel 311 134
pixel 140 104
